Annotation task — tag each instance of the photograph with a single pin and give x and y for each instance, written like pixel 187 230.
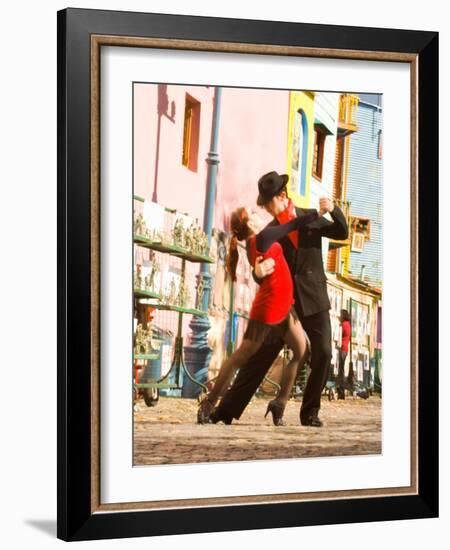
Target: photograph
pixel 257 273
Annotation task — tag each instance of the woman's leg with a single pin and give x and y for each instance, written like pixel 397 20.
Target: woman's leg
pixel 296 341
pixel 228 369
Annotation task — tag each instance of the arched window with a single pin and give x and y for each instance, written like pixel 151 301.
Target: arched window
pixel 299 153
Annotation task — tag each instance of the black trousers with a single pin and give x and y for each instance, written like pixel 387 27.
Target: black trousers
pixel 249 377
pixel 341 370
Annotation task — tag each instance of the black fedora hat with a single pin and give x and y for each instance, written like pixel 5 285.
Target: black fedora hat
pixel 269 186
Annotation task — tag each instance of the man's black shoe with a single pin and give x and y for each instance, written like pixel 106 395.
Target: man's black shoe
pixel 219 416
pixel 311 420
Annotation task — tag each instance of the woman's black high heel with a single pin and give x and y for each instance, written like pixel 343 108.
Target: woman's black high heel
pixel 277 410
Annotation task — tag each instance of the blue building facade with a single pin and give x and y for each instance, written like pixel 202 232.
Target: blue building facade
pixel 365 194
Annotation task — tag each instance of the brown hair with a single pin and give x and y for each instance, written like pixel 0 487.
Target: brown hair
pixel 240 231
pixel 345 315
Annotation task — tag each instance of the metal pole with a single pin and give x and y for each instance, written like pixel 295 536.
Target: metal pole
pixel 213 162
pixel 211 184
pixel 198 354
pixel 230 343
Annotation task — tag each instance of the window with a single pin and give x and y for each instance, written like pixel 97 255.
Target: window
pixel 299 153
pixel 191 133
pixel 361 226
pixel 357 242
pixel 319 143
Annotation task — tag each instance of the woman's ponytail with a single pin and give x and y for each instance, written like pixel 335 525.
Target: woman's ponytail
pixel 232 257
pixel 240 231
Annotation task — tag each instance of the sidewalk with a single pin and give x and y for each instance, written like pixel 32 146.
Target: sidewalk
pixel 168 433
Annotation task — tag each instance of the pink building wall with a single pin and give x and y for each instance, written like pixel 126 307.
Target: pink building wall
pixel 253 138
pixel 252 141
pixel 177 186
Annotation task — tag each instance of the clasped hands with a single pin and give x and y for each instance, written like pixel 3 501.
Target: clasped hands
pixel 267 266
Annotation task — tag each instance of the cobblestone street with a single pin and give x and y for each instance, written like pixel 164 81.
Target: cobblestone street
pixel 168 433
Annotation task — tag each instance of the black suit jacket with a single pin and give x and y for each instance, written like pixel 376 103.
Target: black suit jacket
pixel 306 263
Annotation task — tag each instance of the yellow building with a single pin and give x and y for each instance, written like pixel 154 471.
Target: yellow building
pixel 300 144
pixel 339 251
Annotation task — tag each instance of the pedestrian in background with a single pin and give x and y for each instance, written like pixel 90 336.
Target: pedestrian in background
pixel 343 351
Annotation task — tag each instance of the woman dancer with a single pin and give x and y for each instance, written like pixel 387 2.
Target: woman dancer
pixel 272 315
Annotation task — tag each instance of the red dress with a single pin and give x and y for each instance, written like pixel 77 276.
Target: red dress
pixel 273 303
pixel 275 295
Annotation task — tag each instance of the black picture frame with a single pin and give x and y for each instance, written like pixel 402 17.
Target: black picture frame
pixel 76 520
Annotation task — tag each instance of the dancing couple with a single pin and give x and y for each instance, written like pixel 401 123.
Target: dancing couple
pixel 291 302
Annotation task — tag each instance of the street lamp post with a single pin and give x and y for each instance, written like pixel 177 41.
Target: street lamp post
pixel 198 354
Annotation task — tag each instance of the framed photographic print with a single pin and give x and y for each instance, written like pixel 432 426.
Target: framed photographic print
pixel 242 344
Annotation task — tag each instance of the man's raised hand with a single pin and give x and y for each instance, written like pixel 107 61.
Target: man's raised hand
pixel 325 205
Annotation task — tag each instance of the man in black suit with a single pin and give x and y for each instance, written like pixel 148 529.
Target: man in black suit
pixel 303 253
